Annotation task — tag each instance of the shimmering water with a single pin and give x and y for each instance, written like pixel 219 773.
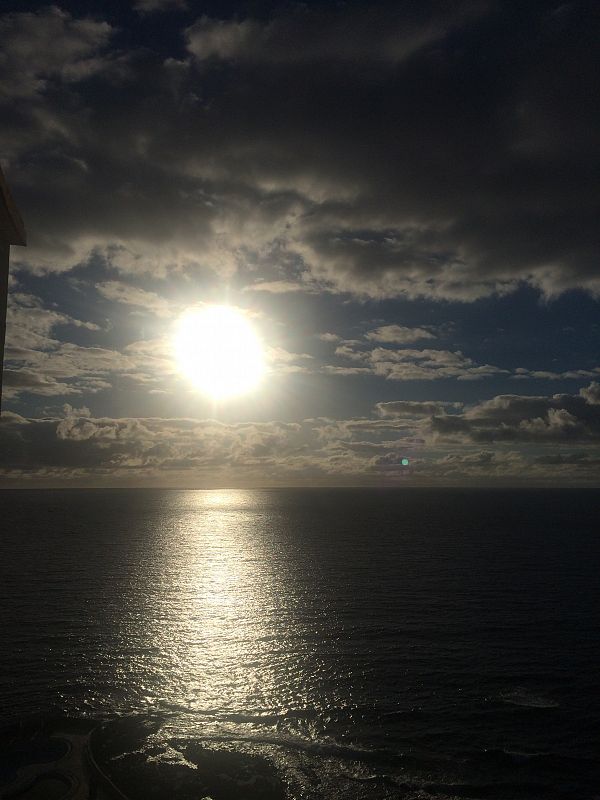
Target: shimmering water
pixel 368 644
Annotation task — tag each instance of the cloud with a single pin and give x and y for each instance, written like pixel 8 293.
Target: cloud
pixel 154 6
pixel 77 447
pixel 82 444
pixel 577 459
pixel 46 45
pixel 414 408
pixel 15 382
pixel 464 465
pixel 558 418
pixel 281 287
pixel 403 364
pixel 407 364
pixel 334 369
pixel 398 334
pixel 591 393
pixel 379 150
pixel 329 337
pixel 522 374
pixel 320 35
pixel 129 295
pixel 29 324
pixel 284 361
pixel 39 363
pixel 348 352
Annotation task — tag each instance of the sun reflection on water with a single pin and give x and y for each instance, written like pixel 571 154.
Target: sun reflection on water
pixel 231 616
pixel 222 625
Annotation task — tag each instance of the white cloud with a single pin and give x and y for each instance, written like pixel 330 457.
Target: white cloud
pixel 398 334
pixel 39 363
pixel 407 364
pixel 329 337
pixel 415 408
pixel 29 323
pixel 129 295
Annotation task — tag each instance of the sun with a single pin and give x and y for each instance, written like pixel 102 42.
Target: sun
pixel 218 350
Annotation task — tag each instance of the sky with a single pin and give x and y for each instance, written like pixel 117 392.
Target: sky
pixel 402 199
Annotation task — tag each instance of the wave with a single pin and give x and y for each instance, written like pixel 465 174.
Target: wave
pixel 527 699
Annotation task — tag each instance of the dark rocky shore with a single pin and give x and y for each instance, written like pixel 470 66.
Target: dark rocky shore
pixel 214 770
pixel 59 757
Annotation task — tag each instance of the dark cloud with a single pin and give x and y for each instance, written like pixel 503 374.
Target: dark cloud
pixel 303 35
pixel 154 6
pixel 15 382
pixel 570 459
pixel 48 46
pixel 514 418
pixel 445 149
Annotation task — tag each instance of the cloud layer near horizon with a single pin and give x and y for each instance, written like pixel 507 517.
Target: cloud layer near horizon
pixel 467 165
pixel 75 447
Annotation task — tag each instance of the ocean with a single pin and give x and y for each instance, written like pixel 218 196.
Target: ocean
pixel 357 643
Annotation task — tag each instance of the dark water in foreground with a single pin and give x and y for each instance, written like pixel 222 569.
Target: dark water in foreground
pixel 368 644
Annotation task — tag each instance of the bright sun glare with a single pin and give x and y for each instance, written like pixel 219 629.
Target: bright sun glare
pixel 218 350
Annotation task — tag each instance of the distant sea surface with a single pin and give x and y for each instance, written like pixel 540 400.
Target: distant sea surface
pixel 366 643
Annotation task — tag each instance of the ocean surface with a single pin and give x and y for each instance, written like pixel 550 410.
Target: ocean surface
pixel 363 643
